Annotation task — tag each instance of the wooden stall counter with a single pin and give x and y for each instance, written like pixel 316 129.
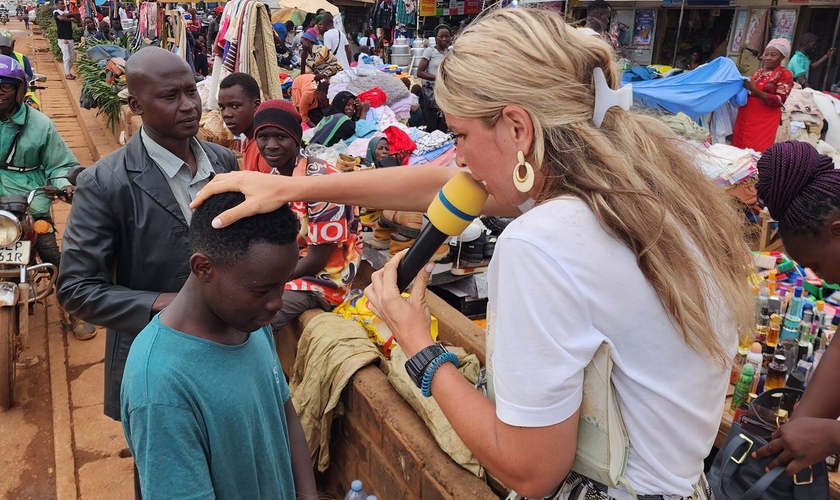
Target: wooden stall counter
pixel 726 425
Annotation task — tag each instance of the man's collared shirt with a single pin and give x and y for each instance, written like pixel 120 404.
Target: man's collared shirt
pixel 184 186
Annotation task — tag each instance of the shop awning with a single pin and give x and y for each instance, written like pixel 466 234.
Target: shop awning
pixel 310 6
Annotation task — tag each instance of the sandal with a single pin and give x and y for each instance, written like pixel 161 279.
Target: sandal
pixel 70 77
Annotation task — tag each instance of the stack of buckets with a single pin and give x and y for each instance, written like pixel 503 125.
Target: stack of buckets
pixel 417 49
pixel 400 55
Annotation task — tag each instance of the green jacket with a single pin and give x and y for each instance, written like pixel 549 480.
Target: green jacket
pixel 39 145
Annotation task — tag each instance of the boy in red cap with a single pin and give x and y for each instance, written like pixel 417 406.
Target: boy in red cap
pixel 330 245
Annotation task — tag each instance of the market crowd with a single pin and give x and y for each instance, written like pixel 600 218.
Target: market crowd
pixel 192 267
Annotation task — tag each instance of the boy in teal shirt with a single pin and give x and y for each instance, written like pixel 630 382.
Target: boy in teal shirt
pixel 205 406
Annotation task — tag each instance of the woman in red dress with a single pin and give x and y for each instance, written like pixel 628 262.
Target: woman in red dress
pixel 759 119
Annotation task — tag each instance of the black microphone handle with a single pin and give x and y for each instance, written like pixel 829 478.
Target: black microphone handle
pixel 430 239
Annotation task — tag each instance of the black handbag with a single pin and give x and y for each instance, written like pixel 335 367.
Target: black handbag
pixel 736 475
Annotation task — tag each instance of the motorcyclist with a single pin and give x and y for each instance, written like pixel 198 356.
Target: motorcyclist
pixel 7 48
pixel 32 151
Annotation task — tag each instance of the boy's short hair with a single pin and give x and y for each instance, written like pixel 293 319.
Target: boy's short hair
pixel 231 244
pixel 249 85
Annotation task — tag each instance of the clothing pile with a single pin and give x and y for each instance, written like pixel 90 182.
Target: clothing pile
pixel 801 119
pixel 729 166
pixel 683 126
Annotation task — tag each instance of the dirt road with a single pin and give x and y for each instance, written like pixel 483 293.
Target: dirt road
pixel 55 441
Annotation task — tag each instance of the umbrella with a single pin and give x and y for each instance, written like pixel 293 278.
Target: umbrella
pixel 309 5
pixel 295 15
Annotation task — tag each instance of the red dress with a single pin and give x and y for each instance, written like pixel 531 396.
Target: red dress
pixel 758 120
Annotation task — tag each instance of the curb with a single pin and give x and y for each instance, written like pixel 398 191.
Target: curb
pixel 94 151
pixel 65 463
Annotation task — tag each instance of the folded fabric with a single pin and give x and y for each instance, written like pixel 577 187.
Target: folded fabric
pixel 400 143
pixel 682 125
pixel 330 351
pixel 434 140
pixel 375 96
pixel 429 410
pixel 419 159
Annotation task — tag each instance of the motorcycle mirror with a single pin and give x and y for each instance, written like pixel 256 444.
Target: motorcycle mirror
pixel 39 78
pixel 73 174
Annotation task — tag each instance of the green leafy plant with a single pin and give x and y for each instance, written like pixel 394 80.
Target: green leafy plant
pixel 95 88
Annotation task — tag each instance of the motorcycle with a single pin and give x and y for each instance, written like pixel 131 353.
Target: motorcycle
pixel 20 15
pixel 31 99
pixel 4 16
pixel 22 281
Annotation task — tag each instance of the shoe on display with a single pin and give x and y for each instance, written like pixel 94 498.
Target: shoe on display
pixel 408 224
pixel 399 243
pixel 381 237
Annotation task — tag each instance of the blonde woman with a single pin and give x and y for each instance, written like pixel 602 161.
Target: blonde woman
pixel 623 240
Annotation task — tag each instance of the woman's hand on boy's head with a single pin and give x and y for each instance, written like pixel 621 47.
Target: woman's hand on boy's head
pixel 263 194
pixel 408 318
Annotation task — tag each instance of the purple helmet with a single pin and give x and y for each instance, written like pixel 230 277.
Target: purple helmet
pixel 10 70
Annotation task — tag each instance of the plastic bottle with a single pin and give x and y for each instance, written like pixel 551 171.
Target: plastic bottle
pixel 819 315
pixel 762 320
pixel 793 316
pixel 805 333
pixel 371 497
pixel 356 492
pixel 743 387
pixel 756 359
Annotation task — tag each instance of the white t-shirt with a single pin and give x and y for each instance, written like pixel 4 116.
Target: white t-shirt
pixel 336 41
pixel 559 286
pixel 123 14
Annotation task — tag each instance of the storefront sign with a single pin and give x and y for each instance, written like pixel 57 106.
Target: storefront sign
pixel 472 7
pixel 643 30
pixel 428 8
pixel 738 32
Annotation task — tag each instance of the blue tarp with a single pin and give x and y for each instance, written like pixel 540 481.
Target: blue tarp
pixel 696 92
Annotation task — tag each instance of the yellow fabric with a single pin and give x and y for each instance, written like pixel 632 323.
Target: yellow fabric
pixel 330 350
pixel 262 57
pixel 428 409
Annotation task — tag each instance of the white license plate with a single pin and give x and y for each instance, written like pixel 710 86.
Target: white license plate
pixel 16 254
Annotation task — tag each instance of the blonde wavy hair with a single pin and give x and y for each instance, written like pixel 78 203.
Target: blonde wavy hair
pixel 633 173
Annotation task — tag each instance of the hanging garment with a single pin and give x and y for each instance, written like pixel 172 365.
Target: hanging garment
pixel 403 16
pixel 761 36
pixel 383 15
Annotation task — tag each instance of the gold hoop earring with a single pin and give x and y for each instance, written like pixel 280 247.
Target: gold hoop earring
pixel 523 182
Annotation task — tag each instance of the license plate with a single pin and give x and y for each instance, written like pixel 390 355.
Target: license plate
pixel 16 254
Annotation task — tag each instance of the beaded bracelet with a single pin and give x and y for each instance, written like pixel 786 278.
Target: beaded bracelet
pixel 426 385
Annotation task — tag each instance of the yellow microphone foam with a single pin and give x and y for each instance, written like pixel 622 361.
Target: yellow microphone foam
pixel 457 204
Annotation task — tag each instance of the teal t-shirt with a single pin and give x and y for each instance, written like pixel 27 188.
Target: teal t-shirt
pixel 800 64
pixel 206 420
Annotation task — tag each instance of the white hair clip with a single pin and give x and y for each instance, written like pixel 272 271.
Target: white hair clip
pixel 605 97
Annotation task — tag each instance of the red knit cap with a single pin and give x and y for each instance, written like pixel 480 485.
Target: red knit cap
pixel 281 114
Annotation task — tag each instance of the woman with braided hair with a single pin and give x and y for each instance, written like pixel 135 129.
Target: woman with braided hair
pixel 801 188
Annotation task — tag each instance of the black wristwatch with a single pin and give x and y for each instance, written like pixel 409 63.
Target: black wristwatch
pixel 418 363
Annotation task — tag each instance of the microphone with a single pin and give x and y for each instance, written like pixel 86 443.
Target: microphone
pixel 457 204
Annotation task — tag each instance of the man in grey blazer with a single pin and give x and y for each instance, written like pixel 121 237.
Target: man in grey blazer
pixel 126 245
